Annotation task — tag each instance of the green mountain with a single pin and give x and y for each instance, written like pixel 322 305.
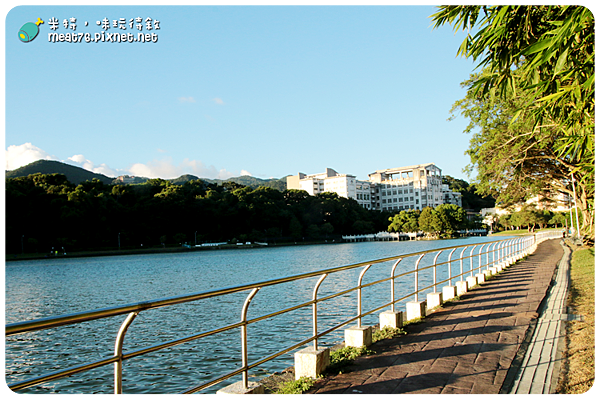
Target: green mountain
pixel 183 179
pixel 279 184
pixel 75 175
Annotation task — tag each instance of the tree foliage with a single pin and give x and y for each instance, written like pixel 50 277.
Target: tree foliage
pixel 47 211
pixel 533 100
pixel 445 220
pixel 531 218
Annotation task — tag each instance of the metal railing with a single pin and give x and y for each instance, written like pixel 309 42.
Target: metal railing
pixel 496 252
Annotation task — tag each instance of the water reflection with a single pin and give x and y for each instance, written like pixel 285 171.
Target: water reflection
pixel 43 288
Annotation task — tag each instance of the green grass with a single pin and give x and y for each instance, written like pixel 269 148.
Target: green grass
pixel 340 359
pixel 387 333
pixel 295 387
pixel 578 371
pixel 521 232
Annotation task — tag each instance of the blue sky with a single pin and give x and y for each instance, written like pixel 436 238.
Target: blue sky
pixel 229 90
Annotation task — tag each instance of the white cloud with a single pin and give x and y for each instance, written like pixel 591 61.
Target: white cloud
pixel 79 160
pixel 218 101
pixel 166 169
pixel 245 173
pixel 186 99
pixel 18 156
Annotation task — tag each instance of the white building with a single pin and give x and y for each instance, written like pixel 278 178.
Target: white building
pixel 344 185
pixel 126 179
pixel 413 187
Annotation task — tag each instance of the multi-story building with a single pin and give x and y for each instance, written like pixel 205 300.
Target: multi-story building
pixel 344 185
pixel 126 179
pixel 413 187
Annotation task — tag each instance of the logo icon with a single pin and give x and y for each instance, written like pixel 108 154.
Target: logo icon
pixel 30 30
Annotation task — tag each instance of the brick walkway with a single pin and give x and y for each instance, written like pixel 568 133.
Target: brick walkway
pixel 464 347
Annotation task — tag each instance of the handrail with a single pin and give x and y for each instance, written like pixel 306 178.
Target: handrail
pixel 502 251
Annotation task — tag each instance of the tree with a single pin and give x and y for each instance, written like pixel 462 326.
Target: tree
pixel 405 221
pixel 539 59
pixel 429 221
pixel 313 231
pixel 506 222
pixel 471 198
pixel 558 219
pixel 295 228
pixel 511 162
pixel 528 218
pixel 326 229
pixel 452 217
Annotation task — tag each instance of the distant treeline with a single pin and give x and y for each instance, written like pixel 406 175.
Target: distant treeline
pixel 46 211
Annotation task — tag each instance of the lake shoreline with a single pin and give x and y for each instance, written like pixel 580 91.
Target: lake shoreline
pixel 182 249
pixel 157 250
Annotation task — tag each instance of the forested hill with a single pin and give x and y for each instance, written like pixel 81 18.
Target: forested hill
pixel 74 175
pixel 77 175
pixel 46 212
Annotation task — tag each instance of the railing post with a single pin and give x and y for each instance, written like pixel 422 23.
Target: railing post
pixel 321 279
pixel 119 351
pixel 450 267
pixel 435 271
pixel 417 277
pixel 244 328
pixel 520 247
pixel 392 285
pixel 360 277
pixel 495 254
pixel 461 262
pixel 480 250
pixel 471 259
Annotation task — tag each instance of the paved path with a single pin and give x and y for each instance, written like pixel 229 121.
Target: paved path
pixel 538 372
pixel 465 347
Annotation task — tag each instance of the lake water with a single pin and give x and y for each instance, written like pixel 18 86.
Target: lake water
pixel 52 287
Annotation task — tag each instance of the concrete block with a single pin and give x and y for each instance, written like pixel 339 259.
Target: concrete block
pixel 434 300
pixel 480 278
pixel 310 363
pixel 391 319
pixel 462 287
pixel 449 292
pixel 488 274
pixel 471 281
pixel 358 336
pixel 238 388
pixel 415 309
pixel 494 270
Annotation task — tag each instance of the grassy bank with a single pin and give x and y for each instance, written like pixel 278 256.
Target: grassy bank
pixel 340 358
pixel 521 232
pixel 579 365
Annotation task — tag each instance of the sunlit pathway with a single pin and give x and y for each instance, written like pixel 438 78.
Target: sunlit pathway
pixel 465 347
